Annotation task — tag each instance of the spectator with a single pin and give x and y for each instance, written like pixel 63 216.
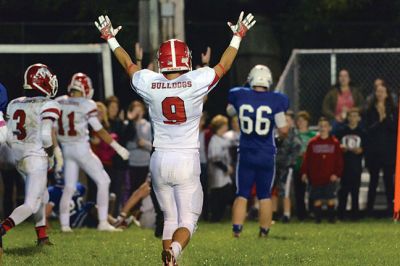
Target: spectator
pixel 119 166
pixel 286 158
pixel 233 136
pixel 340 99
pixel 352 139
pixel 11 179
pixel 203 165
pixel 140 146
pixel 305 134
pixel 381 125
pixel 322 167
pixel 221 193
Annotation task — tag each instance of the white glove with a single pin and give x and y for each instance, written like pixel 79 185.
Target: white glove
pixel 106 29
pixel 59 159
pixel 122 152
pixel 242 26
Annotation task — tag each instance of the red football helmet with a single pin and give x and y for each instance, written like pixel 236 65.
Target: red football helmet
pixel 174 55
pixel 39 77
pixel 81 82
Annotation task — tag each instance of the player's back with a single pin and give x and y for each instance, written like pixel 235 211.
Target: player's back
pixel 73 122
pixel 24 124
pixel 175 106
pixel 257 112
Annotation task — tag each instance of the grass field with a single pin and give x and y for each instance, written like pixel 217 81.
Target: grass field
pixel 365 243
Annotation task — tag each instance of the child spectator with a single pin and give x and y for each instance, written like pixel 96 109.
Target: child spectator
pixel 322 167
pixel 305 134
pixel 219 169
pixel 286 159
pixel 352 139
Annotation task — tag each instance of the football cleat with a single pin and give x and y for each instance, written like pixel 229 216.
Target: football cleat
pixel 168 258
pixel 263 232
pixel 44 242
pixel 106 227
pixel 66 229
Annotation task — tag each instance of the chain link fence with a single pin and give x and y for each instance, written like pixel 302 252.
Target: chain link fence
pixel 309 74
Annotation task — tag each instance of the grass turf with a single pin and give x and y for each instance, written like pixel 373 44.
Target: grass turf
pixel 373 242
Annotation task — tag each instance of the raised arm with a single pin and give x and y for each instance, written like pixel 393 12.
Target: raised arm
pixel 239 31
pixel 108 33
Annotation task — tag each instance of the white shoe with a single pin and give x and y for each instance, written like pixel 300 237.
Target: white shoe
pixel 66 229
pixel 105 226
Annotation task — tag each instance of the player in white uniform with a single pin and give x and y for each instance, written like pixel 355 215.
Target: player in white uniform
pixel 78 111
pixel 30 122
pixel 3 103
pixel 175 101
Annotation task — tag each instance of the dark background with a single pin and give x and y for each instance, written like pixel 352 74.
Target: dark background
pixel 282 26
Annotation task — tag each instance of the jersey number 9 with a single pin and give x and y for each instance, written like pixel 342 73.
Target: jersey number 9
pixel 262 124
pixel 173 109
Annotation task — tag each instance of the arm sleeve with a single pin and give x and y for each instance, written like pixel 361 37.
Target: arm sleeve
pixel 91 114
pixel 45 131
pixel 95 123
pixel 49 114
pixel 280 120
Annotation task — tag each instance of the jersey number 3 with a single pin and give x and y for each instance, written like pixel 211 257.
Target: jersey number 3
pixel 173 109
pixel 262 124
pixel 20 116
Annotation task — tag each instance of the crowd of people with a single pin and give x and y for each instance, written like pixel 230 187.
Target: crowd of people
pixel 352 130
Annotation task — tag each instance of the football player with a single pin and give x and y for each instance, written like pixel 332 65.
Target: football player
pixel 260 110
pixel 78 111
pixel 175 100
pixel 3 103
pixel 30 122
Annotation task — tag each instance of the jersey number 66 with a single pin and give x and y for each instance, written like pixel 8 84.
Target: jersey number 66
pixel 262 124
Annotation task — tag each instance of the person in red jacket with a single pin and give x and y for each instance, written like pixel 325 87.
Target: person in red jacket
pixel 322 167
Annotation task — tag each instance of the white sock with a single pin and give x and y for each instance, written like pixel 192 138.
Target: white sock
pixel 40 216
pixel 102 201
pixel 287 214
pixel 20 214
pixel 64 205
pixel 176 249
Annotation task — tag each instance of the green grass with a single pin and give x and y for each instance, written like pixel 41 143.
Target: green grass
pixel 365 243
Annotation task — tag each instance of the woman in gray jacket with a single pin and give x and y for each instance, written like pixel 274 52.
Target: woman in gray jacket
pixel 140 146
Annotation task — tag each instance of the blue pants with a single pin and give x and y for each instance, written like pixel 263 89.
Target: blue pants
pixel 255 167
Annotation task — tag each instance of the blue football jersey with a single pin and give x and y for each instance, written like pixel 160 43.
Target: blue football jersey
pixel 55 193
pixel 256 112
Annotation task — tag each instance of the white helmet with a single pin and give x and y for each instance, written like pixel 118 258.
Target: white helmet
pixel 260 75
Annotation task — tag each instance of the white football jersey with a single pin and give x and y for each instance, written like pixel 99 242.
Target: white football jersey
pixel 24 124
pixel 74 119
pixel 175 106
